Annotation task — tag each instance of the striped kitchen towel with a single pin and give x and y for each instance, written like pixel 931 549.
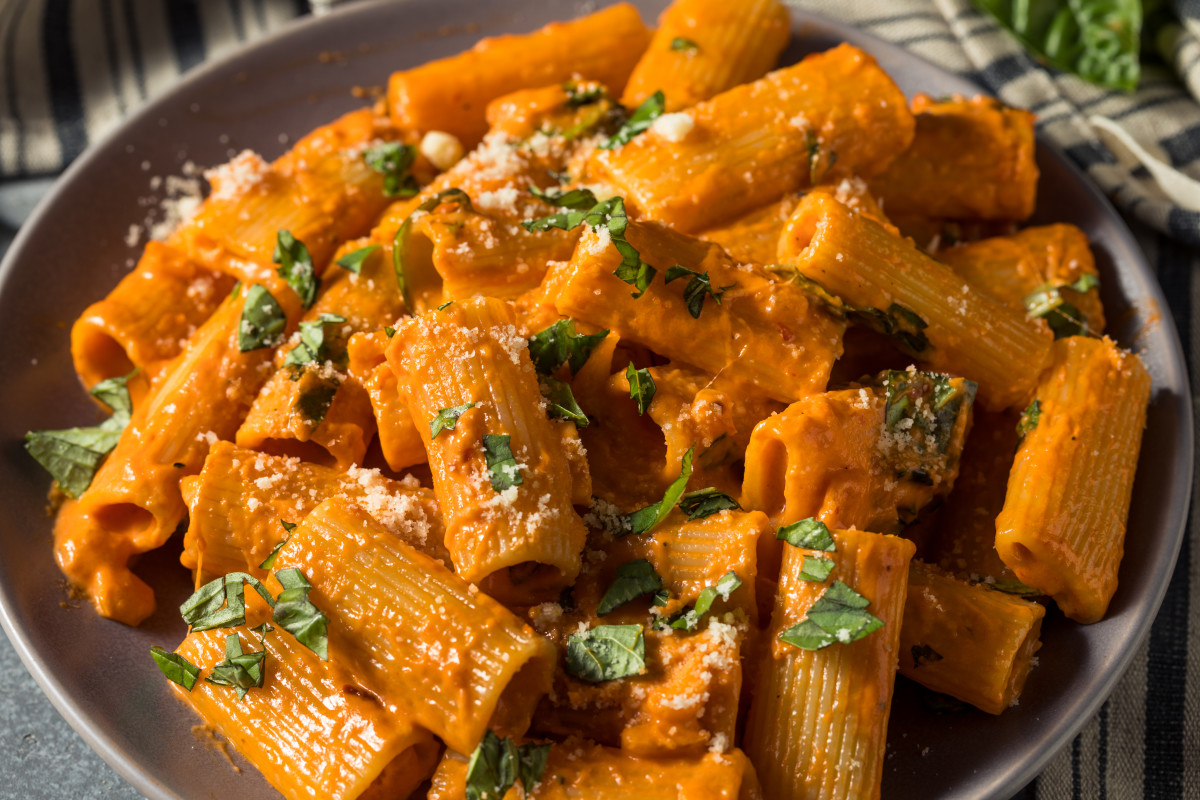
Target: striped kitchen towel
pixel 1143 150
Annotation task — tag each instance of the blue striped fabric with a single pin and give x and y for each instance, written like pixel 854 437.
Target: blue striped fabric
pixel 1145 741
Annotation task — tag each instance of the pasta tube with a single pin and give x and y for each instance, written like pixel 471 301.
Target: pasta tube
pixel 397 434
pixel 449 657
pixel 705 47
pixel 761 331
pixel 148 317
pixel 981 138
pixel 312 730
pixel 240 500
pixel 832 115
pixel 500 472
pixel 1062 528
pixel 967 640
pixel 952 327
pixel 451 94
pixel 818 721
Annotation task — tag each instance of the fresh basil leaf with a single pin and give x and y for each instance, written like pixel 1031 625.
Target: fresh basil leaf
pixel 646 519
pixel 661 599
pixel 263 321
pixel 690 618
pixel 696 289
pixel 312 348
pixel 706 502
pixel 73 455
pixel 444 305
pixel 1065 319
pixel 241 671
pixel 532 765
pixel 924 654
pixel 579 199
pixel 354 261
pixel 1029 419
pixel 221 602
pixel 641 119
pixel 1084 283
pixel 177 668
pixel 838 615
pixel 560 343
pixel 114 393
pixel 632 269
pixel 815 568
pixel 313 403
pixel 562 401
pixel 582 96
pixel 641 387
pixel 926 406
pixel 1098 40
pixel 631 581
pixel 606 652
pixel 268 563
pixel 296 267
pixel 503 470
pixel 810 534
pixel 1015 587
pixel 394 160
pixel 680 44
pixel 389 331
pixel 446 419
pixel 297 615
pixel 563 220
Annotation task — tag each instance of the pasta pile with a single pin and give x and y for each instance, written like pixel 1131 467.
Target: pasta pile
pixel 602 415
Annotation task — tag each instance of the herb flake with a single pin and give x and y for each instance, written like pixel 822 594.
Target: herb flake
pixel 446 419
pixel 631 581
pixel 839 615
pixel 706 502
pixel 503 470
pixel 639 121
pixel 177 668
pixel 297 615
pixel 606 652
pixel 394 160
pixel 641 387
pixel 354 261
pixel 263 320
pixel 296 267
pixel 646 519
pixel 809 534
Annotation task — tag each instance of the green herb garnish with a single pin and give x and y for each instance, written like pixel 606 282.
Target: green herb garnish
pixel 562 403
pixel 296 267
pixel 815 568
pixel 312 348
pixel 641 387
pixel 1065 319
pixel 646 519
pixel 263 320
pixel 631 581
pixel 838 615
pixel 579 199
pixel 810 534
pixel 268 563
pixel 723 588
pixel 177 668
pixel 497 764
pixel 394 160
pixel 503 470
pixel 680 44
pixel 221 603
pixel 560 343
pixel 697 288
pixel 706 502
pixel 446 419
pixel 297 615
pixel 354 261
pixel 606 652
pixel 1029 419
pixel 400 240
pixel 242 671
pixel 641 119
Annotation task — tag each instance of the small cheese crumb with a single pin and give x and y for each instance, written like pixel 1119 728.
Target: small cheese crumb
pixel 673 127
pixel 443 150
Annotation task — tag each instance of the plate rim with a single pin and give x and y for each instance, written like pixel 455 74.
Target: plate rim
pixel 1175 373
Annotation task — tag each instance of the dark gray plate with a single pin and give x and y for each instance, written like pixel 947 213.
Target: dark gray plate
pixel 71 252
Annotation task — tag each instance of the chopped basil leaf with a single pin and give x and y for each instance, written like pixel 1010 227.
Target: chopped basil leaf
pixel 312 348
pixel 706 502
pixel 354 261
pixel 177 668
pixel 696 289
pixel 839 615
pixel 631 581
pixel 578 96
pixel 924 654
pixel 816 568
pixel 242 671
pixel 578 199
pixel 389 331
pixel 903 325
pixel 606 652
pixel 661 599
pixel 1085 282
pixel 221 603
pixel 1064 318
pixel 497 764
pixel 1029 418
pixel 560 343
pixel 684 45
pixel 641 387
pixel 563 220
pixel 444 305
pixel 73 455
pixel 263 321
pixel 645 519
pixel 926 406
pixel 297 615
pixel 503 470
pixel 296 267
pixel 1015 587
pixel 562 400
pixel 313 403
pixel 641 119
pixel 394 161
pixel 810 534
pixel 446 419
pixel 268 563
pixel 690 618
